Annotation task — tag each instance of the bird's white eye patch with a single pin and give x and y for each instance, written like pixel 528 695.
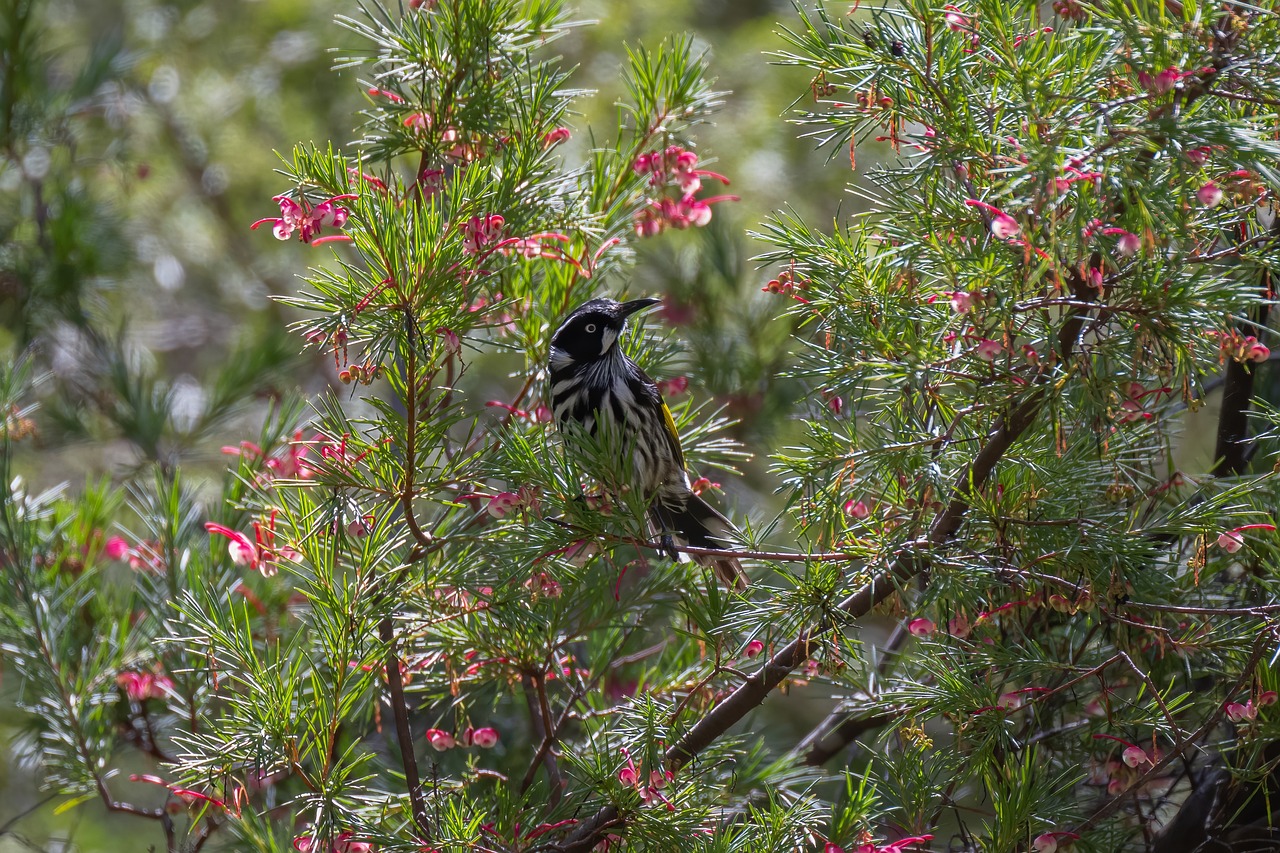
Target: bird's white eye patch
pixel 590 328
pixel 607 340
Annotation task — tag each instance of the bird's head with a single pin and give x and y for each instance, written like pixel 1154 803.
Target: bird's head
pixel 592 329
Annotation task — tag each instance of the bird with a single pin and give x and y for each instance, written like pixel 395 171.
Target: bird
pixel 594 385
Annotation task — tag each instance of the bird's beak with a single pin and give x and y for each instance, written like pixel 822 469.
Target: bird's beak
pixel 635 305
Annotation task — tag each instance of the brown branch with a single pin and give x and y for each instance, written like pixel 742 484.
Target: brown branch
pixel 535 695
pixel 404 733
pixel 837 731
pixel 411 433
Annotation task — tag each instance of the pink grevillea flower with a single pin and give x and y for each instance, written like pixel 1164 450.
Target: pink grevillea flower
pixel 958 626
pixel 1133 755
pixel 116 548
pixel 1200 155
pixel 555 137
pixel 346 843
pixel 962 302
pixel 955 19
pixel 375 92
pixel 921 627
pixel 1047 842
pixel 892 846
pixel 542 584
pixel 141 686
pixel 260 553
pixel 1232 541
pixel 1015 699
pixel 672 387
pixel 290 463
pixel 480 233
pixel 988 350
pixel 452 345
pixel 1128 244
pixel 485 738
pixel 1210 195
pixel 308 221
pixel 701 485
pixel 1162 82
pixel 754 648
pixel 440 740
pixel 628 774
pixel 857 509
pixel 501 504
pixel 1003 226
pixel 1237 713
pixel 342 843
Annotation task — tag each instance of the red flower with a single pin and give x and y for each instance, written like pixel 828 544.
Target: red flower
pixel 440 740
pixel 1231 541
pixel 480 233
pixel 308 221
pixel 141 686
pixel 921 627
pixel 260 553
pixel 555 137
pixel 1210 195
pixel 1003 226
pixel 116 548
pixel 856 509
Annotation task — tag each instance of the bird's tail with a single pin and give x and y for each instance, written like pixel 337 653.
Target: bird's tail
pixel 699 525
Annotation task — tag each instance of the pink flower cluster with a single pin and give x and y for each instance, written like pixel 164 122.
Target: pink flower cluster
pixel 1121 775
pixel 1131 408
pixel 308 221
pixel 651 793
pixel 542 584
pixel 1048 842
pixel 289 462
pixel 485 738
pixel 141 686
pixel 344 843
pixel 504 503
pixel 1238 713
pixel 1162 82
pixel 1241 348
pixel 481 233
pixel 962 301
pixel 888 847
pixel 1002 225
pixel 701 484
pixel 674 168
pixel 673 387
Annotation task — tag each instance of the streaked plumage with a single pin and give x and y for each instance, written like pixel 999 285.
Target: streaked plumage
pixel 594 383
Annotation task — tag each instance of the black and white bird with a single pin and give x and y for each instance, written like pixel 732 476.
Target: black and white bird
pixel 594 385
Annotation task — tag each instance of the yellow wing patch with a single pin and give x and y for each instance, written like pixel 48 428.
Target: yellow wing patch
pixel 670 423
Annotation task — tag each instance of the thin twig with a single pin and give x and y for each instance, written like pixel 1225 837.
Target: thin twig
pixel 404 733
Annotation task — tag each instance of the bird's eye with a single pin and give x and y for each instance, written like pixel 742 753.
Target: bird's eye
pixel 591 328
